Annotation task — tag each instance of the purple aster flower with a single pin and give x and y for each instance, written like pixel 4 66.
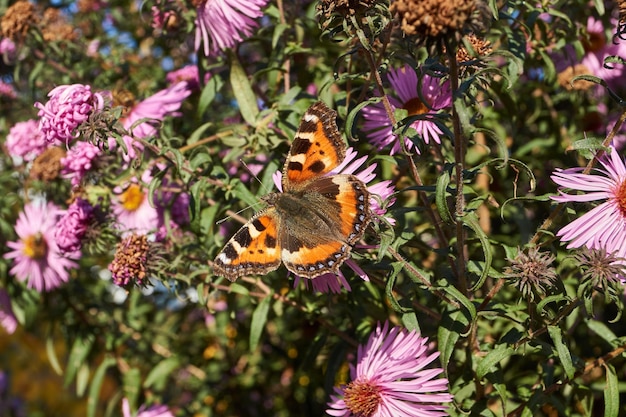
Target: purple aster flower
pixel 26 141
pixel 78 161
pixel 187 73
pixel 8 50
pixel 153 411
pixel 73 225
pixel 405 83
pixel 36 256
pixel 604 227
pixel 163 103
pixel 222 24
pixel 380 194
pixel 68 107
pixel 7 318
pixel 391 379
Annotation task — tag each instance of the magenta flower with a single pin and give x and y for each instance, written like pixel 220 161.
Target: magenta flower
pixel 26 141
pixel 390 379
pixel 73 225
pixel 187 73
pixel 604 227
pixel 7 318
pixel 78 161
pixel 132 208
pixel 36 256
pixel 598 47
pixel 7 90
pixel 164 103
pixel 153 411
pixel 405 83
pixel 379 193
pixel 68 107
pixel 222 24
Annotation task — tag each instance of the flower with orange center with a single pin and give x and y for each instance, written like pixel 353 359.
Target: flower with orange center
pixel 132 208
pixel 604 227
pixel 36 256
pixel 391 379
pixel 417 98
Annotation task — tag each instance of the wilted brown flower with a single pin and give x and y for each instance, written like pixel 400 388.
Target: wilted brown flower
pixel 600 270
pixel 130 262
pixel 371 17
pixel 18 19
pixel 54 27
pixel 47 166
pixel 566 76
pixel 436 23
pixel 480 48
pixel 532 272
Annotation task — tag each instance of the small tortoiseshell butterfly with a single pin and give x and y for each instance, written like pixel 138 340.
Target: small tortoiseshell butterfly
pixel 312 225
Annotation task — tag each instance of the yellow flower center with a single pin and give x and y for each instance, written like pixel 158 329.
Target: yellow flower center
pixel 132 197
pixel 35 246
pixel 415 107
pixel 362 398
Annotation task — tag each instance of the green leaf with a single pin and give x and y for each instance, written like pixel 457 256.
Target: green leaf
pixel 79 352
pixel 242 90
pixel 131 385
pixel 466 302
pixel 449 332
pixel 410 321
pixel 603 331
pixel 391 281
pixel 259 318
pixel 209 92
pixel 611 393
pixel 52 356
pixel 561 349
pixel 441 195
pixel 82 379
pixel 96 383
pixel 157 378
pixel 471 220
pixel 197 134
pixel 499 353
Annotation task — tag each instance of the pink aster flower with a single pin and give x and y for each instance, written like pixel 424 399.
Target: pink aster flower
pixel 405 83
pixel 222 24
pixel 166 102
pixel 73 225
pixel 604 227
pixel 379 199
pixel 153 411
pixel 7 90
pixel 26 141
pixel 79 160
pixel 391 379
pixel 68 107
pixel 36 256
pixel 7 318
pixel 132 208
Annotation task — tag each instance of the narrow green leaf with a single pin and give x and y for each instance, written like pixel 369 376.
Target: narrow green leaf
pixel 466 302
pixel 410 321
pixel 131 385
pixel 80 349
pixel 441 195
pixel 449 332
pixel 96 383
pixel 391 281
pixel 561 349
pixel 157 378
pixel 197 134
pixel 209 92
pixel 471 220
pixel 242 90
pixel 82 379
pixel 352 115
pixel 259 318
pixel 611 393
pixel 52 356
pixel 499 353
pixel 603 331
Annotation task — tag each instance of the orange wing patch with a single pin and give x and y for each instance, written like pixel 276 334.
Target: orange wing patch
pixel 316 149
pixel 254 249
pixel 312 262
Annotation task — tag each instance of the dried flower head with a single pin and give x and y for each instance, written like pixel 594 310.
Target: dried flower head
pixel 54 26
pixel 369 16
pixel 130 264
pixel 566 78
pixel 18 19
pixel 532 272
pixel 47 166
pixel 435 23
pixel 601 271
pixel 479 48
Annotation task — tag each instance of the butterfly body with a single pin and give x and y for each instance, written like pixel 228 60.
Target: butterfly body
pixel 311 225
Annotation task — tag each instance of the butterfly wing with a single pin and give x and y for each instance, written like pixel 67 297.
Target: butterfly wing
pixel 253 250
pixel 317 147
pixel 337 213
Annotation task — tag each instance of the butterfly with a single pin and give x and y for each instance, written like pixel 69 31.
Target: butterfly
pixel 312 225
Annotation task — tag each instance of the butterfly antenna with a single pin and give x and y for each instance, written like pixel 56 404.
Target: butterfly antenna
pixel 254 175
pixel 236 214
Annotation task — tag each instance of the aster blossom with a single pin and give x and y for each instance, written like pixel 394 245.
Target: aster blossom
pixel 604 227
pixel 26 141
pixel 221 24
pixel 67 108
pixel 411 93
pixel 73 225
pixel 153 411
pixel 78 160
pixel 36 256
pixel 7 317
pixel 391 379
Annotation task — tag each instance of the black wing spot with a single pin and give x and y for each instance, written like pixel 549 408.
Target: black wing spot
pixel 317 167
